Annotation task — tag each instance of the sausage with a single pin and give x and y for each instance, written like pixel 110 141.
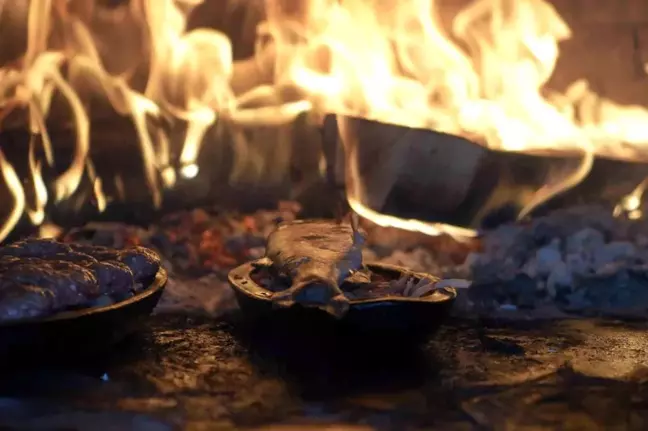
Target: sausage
pixel 21 301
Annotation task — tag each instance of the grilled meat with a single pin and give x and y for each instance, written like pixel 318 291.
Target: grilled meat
pixel 21 301
pixel 41 277
pixel 71 284
pixel 142 262
pixel 35 248
pixel 115 269
pixel 68 256
pixel 114 277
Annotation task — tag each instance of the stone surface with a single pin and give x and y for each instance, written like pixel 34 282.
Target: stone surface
pixel 190 373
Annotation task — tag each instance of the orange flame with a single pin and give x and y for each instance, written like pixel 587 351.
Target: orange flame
pixel 386 60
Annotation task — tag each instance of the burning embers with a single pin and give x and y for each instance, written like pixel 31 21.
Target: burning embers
pixel 387 61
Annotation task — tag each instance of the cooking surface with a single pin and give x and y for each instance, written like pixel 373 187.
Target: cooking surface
pixel 207 374
pixel 218 373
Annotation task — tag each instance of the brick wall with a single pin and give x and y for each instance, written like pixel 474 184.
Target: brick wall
pixel 609 46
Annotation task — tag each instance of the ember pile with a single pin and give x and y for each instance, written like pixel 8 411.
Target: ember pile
pixel 581 260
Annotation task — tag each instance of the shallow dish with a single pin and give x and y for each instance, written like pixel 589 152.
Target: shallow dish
pixel 79 331
pixel 392 313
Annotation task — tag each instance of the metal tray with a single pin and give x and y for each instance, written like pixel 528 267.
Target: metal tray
pixel 72 333
pixel 390 315
pixel 472 186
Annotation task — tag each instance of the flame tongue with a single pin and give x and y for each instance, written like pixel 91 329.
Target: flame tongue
pixel 386 60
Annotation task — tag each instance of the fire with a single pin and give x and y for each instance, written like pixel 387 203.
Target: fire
pixel 13 182
pixel 433 229
pixel 37 214
pixel 385 60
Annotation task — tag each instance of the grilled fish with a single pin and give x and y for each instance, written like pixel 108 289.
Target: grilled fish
pixel 317 255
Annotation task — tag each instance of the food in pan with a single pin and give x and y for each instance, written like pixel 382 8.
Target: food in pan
pixel 21 300
pixel 317 256
pixel 40 277
pixel 319 264
pixel 142 262
pixel 364 284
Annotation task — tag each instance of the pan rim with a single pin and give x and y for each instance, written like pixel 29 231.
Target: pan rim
pixel 240 279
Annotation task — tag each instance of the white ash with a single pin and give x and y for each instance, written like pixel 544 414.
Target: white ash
pixel 417 260
pixel 579 259
pixel 205 295
pixel 567 243
pixel 558 276
pixel 453 282
pixel 585 239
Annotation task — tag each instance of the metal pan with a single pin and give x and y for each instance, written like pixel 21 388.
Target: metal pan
pixel 79 332
pixel 398 169
pixel 389 315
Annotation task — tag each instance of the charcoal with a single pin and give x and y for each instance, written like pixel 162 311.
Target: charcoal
pixel 522 290
pixel 571 251
pixel 547 258
pixel 639 272
pixel 577 302
pixel 504 240
pixel 610 268
pixel 162 243
pixel 21 301
pixel 493 271
pixel 621 293
pixel 544 232
pixel 579 264
pixel 488 296
pixel 238 245
pixel 560 276
pixel 585 241
pixel 612 252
